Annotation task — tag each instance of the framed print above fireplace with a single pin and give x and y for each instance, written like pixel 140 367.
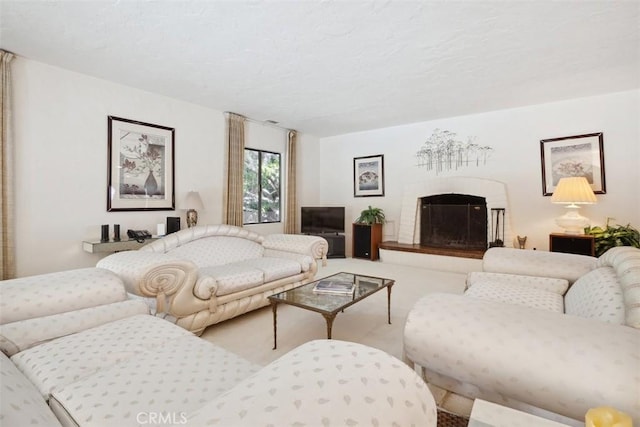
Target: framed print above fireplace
pixel 579 155
pixel 368 176
pixel 140 171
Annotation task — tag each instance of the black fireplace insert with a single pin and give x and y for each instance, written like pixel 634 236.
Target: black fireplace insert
pixel 453 221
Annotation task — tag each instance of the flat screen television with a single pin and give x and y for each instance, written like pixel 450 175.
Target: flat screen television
pixel 322 220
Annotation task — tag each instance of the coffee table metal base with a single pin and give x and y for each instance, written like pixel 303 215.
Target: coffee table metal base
pixel 329 317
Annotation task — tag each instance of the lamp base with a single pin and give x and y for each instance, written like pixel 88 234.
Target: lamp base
pixel 572 221
pixel 192 218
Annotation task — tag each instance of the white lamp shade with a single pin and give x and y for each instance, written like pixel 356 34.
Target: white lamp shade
pixel 573 190
pixel 193 201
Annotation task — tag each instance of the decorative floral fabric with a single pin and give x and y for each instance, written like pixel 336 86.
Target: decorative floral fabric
pixel 20 402
pixel 182 237
pixel 325 383
pixel 234 277
pixel 175 380
pixel 275 268
pixel 626 262
pixel 193 274
pixel 560 363
pixel 47 294
pixel 597 295
pixel 306 262
pixel 563 363
pixel 517 294
pixel 558 286
pixel 229 306
pixel 537 263
pixel 140 270
pixel 218 250
pixel 19 336
pixel 302 244
pixel 54 364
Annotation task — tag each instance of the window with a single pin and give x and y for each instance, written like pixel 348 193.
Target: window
pixel 261 201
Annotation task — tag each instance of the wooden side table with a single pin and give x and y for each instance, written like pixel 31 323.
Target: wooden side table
pixel 581 244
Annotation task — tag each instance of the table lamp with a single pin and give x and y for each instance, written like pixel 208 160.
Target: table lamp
pixel 192 203
pixel 606 416
pixel 573 191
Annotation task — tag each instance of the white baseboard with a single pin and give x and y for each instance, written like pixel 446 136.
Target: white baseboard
pixel 434 262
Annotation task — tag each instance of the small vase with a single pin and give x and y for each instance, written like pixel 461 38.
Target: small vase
pixel 150 185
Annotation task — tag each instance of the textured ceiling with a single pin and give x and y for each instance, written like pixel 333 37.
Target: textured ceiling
pixel 334 67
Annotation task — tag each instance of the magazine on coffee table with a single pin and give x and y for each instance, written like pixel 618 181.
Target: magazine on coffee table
pixel 334 287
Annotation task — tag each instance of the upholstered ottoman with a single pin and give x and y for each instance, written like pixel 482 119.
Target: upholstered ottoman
pixel 326 383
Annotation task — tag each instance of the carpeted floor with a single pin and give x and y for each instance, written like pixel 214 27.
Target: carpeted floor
pixel 251 335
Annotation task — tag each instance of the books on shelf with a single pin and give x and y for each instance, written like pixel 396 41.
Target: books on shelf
pixel 334 287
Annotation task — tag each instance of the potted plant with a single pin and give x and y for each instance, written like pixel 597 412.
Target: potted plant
pixel 371 216
pixel 610 236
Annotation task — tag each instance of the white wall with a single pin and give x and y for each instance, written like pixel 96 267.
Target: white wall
pixel 60 129
pixel 60 124
pixel 515 137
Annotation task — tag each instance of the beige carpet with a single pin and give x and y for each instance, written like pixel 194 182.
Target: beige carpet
pixel 251 335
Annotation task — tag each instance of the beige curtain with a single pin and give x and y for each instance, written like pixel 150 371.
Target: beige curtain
pixel 290 217
pixel 7 239
pixel 235 167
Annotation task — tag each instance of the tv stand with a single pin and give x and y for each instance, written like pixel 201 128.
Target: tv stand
pixel 336 244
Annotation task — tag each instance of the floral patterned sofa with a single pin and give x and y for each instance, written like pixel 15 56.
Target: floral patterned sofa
pixel 76 351
pixel 519 338
pixel 206 274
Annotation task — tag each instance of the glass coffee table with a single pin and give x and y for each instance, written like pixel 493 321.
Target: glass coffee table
pixel 330 304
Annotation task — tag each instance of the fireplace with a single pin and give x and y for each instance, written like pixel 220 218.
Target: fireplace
pixel 455 221
pixel 494 192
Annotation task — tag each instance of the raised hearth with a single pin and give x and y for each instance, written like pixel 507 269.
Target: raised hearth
pixel 415 248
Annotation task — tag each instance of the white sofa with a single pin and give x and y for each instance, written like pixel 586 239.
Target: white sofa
pixel 206 274
pixel 518 338
pixel 77 352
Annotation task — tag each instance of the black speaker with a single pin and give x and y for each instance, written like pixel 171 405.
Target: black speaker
pixel 173 224
pixel 361 241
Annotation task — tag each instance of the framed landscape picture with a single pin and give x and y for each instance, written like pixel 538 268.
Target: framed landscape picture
pixel 580 155
pixel 140 171
pixel 368 176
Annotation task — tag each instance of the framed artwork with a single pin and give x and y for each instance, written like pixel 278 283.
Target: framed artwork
pixel 580 155
pixel 368 176
pixel 140 172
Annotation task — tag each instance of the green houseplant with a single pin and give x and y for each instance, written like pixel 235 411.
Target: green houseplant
pixel 371 216
pixel 610 236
